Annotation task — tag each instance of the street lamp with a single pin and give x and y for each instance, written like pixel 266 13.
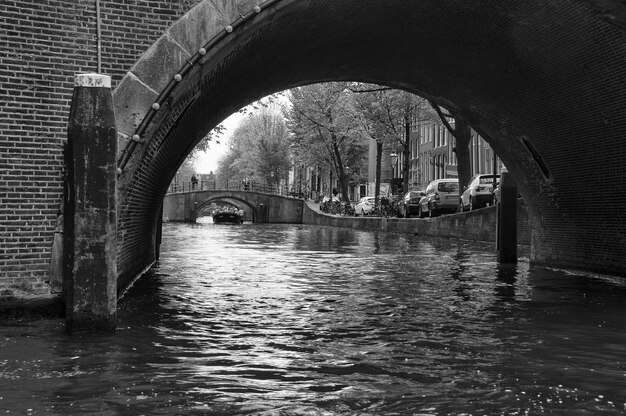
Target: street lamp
pixel 301 193
pixel 394 162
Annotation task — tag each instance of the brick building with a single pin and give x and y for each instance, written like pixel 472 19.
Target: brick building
pixel 432 155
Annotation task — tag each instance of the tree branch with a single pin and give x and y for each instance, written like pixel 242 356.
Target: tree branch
pixel 442 117
pixel 370 90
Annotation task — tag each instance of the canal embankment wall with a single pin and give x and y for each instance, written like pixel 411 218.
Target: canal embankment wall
pixel 477 225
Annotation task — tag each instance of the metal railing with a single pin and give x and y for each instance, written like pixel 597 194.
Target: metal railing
pixel 232 186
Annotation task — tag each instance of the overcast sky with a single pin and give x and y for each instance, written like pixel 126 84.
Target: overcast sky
pixel 207 161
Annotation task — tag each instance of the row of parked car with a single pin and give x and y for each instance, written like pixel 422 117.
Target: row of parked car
pixel 441 196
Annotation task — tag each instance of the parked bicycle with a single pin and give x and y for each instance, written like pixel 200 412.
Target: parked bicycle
pixel 394 206
pixel 347 209
pixel 325 205
pixel 335 207
pixel 382 208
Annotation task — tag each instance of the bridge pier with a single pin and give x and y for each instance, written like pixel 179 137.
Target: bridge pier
pixel 506 230
pixel 90 215
pixel 263 214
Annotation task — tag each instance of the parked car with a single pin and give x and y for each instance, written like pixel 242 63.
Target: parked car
pixel 409 204
pixel 479 192
pixel 365 206
pixel 442 195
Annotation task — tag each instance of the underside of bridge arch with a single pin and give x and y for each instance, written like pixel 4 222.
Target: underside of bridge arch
pixel 543 82
pixel 238 202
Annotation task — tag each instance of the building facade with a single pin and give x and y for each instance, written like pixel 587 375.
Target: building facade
pixel 432 156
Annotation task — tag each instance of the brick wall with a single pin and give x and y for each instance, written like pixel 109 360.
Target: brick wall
pixel 43 43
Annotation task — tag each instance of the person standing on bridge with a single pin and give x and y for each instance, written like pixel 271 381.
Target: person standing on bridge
pixel 194 181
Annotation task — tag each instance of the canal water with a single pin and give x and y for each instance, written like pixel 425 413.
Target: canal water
pixel 278 320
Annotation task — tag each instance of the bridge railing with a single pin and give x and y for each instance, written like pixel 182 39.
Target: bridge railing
pixel 232 186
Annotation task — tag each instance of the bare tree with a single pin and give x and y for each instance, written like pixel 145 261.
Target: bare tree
pixel 378 122
pixel 414 110
pixel 388 115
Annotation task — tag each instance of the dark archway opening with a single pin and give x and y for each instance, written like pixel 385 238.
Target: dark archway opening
pixel 532 79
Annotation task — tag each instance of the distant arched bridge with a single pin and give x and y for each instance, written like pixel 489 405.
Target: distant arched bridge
pixel 265 206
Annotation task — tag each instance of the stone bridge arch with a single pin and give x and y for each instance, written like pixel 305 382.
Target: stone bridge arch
pixel 543 82
pixel 184 206
pixel 253 208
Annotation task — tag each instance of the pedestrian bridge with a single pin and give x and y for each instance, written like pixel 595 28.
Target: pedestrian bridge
pixel 263 206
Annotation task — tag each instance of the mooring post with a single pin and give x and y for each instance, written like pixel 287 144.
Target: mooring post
pixel 506 234
pixel 90 215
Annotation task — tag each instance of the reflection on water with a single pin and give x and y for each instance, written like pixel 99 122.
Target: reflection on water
pixel 297 320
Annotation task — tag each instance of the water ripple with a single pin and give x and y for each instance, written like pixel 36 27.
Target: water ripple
pixel 296 320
